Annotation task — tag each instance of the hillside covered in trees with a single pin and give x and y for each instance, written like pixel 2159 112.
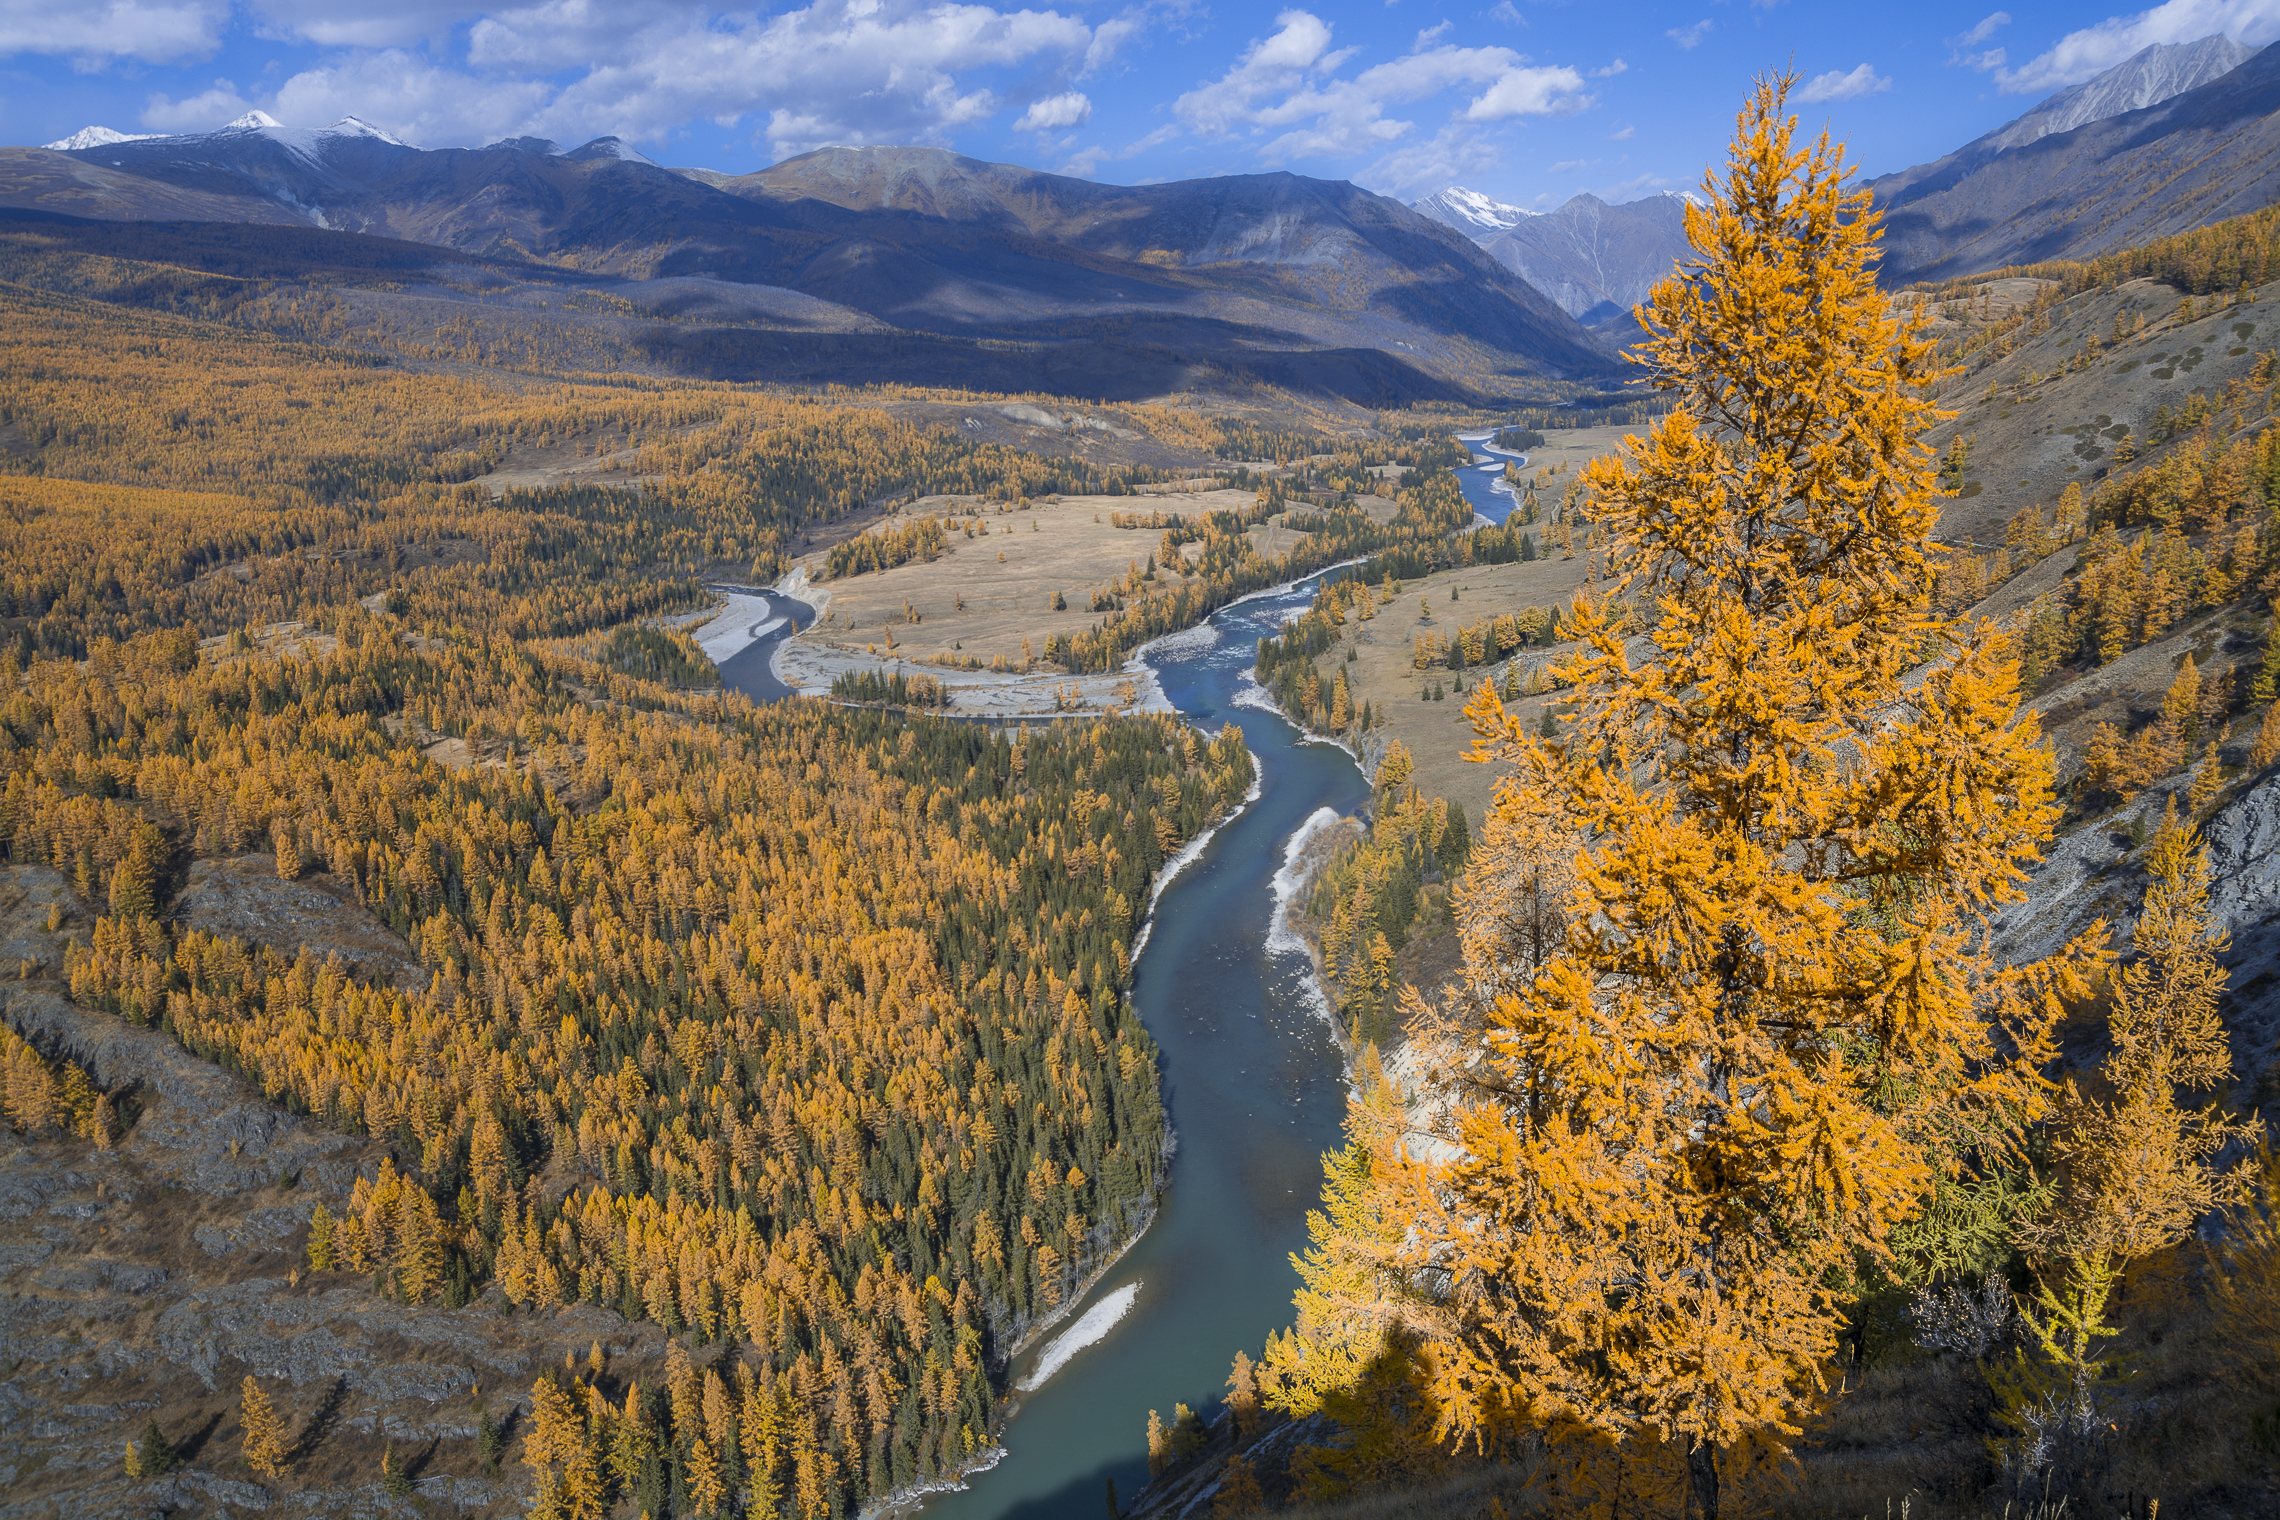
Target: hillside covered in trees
pixel 795 1032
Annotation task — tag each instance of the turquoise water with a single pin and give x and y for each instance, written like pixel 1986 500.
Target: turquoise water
pixel 1478 477
pixel 1256 1089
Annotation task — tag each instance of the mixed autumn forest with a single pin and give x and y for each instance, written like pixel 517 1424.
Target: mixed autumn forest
pixel 795 1039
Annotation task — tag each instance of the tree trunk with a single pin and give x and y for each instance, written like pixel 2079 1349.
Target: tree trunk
pixel 1702 1481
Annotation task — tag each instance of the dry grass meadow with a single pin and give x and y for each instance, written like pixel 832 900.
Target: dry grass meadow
pixel 992 591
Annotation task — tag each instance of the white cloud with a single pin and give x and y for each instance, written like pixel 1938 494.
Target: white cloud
pixel 1689 36
pixel 832 71
pixel 1960 54
pixel 1270 66
pixel 1530 92
pixel 1109 38
pixel 399 93
pixel 2095 49
pixel 1506 12
pixel 148 33
pixel 197 113
pixel 1086 161
pixel 1451 156
pixel 1567 164
pixel 1623 136
pixel 1287 83
pixel 1609 72
pixel 1056 113
pixel 1836 85
pixel 1633 189
pixel 360 26
pixel 837 71
pixel 407 97
pixel 1984 30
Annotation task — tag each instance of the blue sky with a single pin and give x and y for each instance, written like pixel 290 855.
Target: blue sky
pixel 1525 100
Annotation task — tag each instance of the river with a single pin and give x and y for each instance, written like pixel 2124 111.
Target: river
pixel 1256 1089
pixel 1481 479
pixel 749 669
pixel 1253 1079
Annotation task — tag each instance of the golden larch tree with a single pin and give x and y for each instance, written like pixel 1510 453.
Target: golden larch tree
pixel 1797 794
pixel 2135 1166
pixel 261 1434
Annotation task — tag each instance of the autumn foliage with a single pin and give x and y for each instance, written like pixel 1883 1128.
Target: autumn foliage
pixel 1662 1152
pixel 798 1027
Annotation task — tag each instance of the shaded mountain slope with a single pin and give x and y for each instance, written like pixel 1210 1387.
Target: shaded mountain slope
pixel 2198 157
pixel 1248 272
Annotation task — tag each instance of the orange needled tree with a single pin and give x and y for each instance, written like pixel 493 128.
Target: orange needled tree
pixel 1796 795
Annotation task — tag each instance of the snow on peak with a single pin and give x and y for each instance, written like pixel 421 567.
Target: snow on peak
pixel 2146 78
pixel 310 144
pixel 94 137
pixel 357 126
pixel 610 147
pixel 1472 212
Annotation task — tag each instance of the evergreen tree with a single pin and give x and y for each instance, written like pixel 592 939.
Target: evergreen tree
pixel 2266 687
pixel 1243 1398
pixel 705 1484
pixel 1239 1492
pixel 321 1239
pixel 152 1455
pixel 397 1482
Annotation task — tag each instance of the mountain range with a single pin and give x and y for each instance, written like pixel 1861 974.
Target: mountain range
pixel 892 262
pixel 1596 260
pixel 2176 137
pixel 1303 281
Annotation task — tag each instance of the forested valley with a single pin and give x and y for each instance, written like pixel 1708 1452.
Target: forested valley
pixel 796 1033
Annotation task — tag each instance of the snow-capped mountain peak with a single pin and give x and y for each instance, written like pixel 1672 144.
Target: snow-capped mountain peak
pixel 609 147
pixel 2147 78
pixel 94 137
pixel 357 126
pixel 251 121
pixel 1471 212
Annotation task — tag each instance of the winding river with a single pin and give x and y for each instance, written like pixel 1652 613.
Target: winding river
pixel 1256 1088
pixel 1481 480
pixel 750 670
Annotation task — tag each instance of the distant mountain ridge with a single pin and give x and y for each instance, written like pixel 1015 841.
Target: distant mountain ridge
pixel 94 137
pixel 2061 182
pixel 1596 261
pixel 1244 271
pixel 2147 78
pixel 1471 212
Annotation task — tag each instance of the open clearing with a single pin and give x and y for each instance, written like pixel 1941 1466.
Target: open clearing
pixel 990 593
pixel 1384 672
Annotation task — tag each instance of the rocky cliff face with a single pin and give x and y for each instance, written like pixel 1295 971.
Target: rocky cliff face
pixel 144 1282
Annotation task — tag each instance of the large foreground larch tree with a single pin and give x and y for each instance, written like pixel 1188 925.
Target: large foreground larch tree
pixel 1797 796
